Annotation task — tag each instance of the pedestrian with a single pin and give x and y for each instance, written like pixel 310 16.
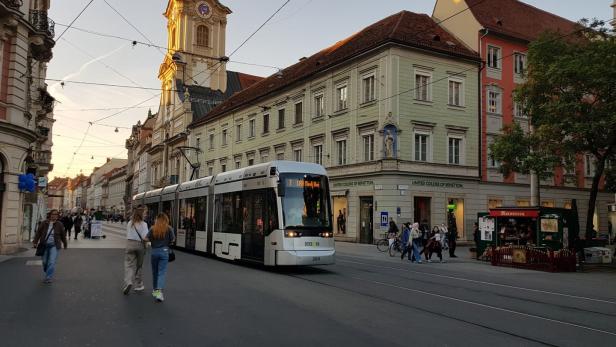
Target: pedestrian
pixel 406 242
pixel 444 233
pixel 392 232
pixel 52 233
pixel 77 224
pixel 161 235
pixel 476 238
pixel 434 245
pixel 136 232
pixel 416 241
pixel 453 236
pixel 424 227
pixel 67 221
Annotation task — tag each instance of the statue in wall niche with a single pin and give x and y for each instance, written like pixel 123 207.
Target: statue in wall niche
pixel 389 145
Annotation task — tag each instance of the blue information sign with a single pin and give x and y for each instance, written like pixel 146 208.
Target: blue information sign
pixel 384 218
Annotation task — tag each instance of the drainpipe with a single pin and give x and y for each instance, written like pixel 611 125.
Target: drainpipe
pixel 480 108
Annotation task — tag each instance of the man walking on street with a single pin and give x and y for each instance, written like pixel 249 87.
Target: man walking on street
pixel 67 221
pixel 51 232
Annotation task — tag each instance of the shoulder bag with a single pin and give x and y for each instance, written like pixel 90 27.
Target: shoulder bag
pixel 140 238
pixel 40 248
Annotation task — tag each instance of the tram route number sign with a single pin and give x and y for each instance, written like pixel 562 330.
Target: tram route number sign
pixel 384 219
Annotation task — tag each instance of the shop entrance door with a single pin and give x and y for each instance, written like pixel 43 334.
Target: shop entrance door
pixel 455 216
pixel 365 220
pixel 422 209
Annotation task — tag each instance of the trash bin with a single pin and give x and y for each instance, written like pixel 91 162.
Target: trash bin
pixel 598 255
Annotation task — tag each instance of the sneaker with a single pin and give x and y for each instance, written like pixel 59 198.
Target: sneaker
pixel 160 297
pixel 139 289
pixel 429 261
pixel 47 281
pixel 126 289
pixel 419 262
pixel 155 293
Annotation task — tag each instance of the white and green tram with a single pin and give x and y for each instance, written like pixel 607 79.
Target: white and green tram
pixel 277 213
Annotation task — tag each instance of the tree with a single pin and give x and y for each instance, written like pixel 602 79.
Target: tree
pixel 570 97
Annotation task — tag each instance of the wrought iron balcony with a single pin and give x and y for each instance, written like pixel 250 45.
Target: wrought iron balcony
pixel 41 22
pixel 13 4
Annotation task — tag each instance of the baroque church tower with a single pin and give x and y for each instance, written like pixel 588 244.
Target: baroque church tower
pixel 196 41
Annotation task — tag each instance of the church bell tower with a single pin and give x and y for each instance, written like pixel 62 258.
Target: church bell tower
pixel 196 41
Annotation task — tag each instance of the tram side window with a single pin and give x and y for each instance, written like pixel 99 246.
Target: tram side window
pixel 187 214
pixel 168 210
pixel 254 211
pixel 200 212
pixel 229 212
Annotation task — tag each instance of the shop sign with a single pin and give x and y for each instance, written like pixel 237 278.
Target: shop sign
pixel 515 213
pixel 437 184
pixel 384 218
pixel 353 184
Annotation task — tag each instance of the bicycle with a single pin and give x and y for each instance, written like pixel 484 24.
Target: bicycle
pixel 396 248
pixel 383 244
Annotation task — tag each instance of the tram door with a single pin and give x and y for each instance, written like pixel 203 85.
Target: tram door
pixel 253 216
pixel 365 220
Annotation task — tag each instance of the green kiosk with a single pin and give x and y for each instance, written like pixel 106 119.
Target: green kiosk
pixel 539 227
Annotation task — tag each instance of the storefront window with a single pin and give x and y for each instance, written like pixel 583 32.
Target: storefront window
pixel 547 203
pixel 522 203
pixel 494 203
pixel 340 214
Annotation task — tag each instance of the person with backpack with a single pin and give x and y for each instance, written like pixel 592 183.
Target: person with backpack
pixel 136 232
pixel 161 235
pixel 49 238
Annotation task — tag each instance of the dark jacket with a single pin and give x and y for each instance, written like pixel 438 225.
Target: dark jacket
pixel 59 234
pixel 68 222
pixel 406 235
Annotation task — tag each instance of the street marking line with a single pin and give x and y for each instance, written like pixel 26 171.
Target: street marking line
pixel 486 306
pixel 34 263
pixel 482 282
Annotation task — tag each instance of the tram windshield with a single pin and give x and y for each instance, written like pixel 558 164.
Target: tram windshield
pixel 305 201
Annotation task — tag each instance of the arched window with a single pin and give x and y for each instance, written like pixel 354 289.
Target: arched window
pixel 203 35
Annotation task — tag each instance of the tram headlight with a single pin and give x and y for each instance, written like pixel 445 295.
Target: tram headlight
pixel 326 234
pixel 291 233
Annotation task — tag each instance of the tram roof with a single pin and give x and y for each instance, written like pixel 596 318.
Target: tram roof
pixel 194 184
pixel 282 166
pixel 138 196
pixel 155 192
pixel 169 189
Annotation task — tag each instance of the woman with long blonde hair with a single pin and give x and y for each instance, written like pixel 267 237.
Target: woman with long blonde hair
pixel 161 236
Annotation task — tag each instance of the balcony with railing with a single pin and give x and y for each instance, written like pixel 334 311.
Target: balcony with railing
pixel 41 22
pixel 12 4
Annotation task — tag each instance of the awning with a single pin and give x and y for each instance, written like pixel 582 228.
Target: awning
pixel 530 213
pixel 343 192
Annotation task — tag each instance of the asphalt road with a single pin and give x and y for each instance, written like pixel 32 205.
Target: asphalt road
pixel 366 299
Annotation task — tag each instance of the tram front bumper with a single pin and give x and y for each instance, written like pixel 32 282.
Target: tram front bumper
pixel 305 257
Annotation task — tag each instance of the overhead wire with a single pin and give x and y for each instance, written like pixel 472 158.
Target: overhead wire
pixel 74 20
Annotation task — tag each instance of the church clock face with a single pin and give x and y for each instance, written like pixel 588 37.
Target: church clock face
pixel 203 9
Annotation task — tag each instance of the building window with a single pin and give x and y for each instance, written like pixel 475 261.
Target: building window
pixel 297 154
pixel 518 110
pixel 211 140
pixel 522 203
pixel 341 152
pixel 251 128
pixel 319 106
pixel 494 57
pixel 198 143
pixel 494 102
pixel 341 97
pixel 368 147
pixel 203 35
pixel 421 147
pixel 368 88
pixel 238 164
pixel 223 167
pixel 589 165
pixel 492 163
pixel 299 117
pixel 224 137
pixel 454 148
pixel 456 93
pixel 251 162
pixel 519 63
pixel 280 156
pixel 317 153
pixel 494 203
pixel 238 133
pixel 264 157
pixel 266 123
pixel 422 87
pixel 281 119
pixel 210 171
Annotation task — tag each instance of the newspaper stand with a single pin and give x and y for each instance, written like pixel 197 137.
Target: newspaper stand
pixel 537 238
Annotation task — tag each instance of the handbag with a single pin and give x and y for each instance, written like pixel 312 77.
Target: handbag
pixel 145 246
pixel 40 248
pixel 171 255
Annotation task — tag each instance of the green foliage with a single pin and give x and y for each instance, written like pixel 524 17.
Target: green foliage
pixel 570 97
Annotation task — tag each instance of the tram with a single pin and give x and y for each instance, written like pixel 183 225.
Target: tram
pixel 276 213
